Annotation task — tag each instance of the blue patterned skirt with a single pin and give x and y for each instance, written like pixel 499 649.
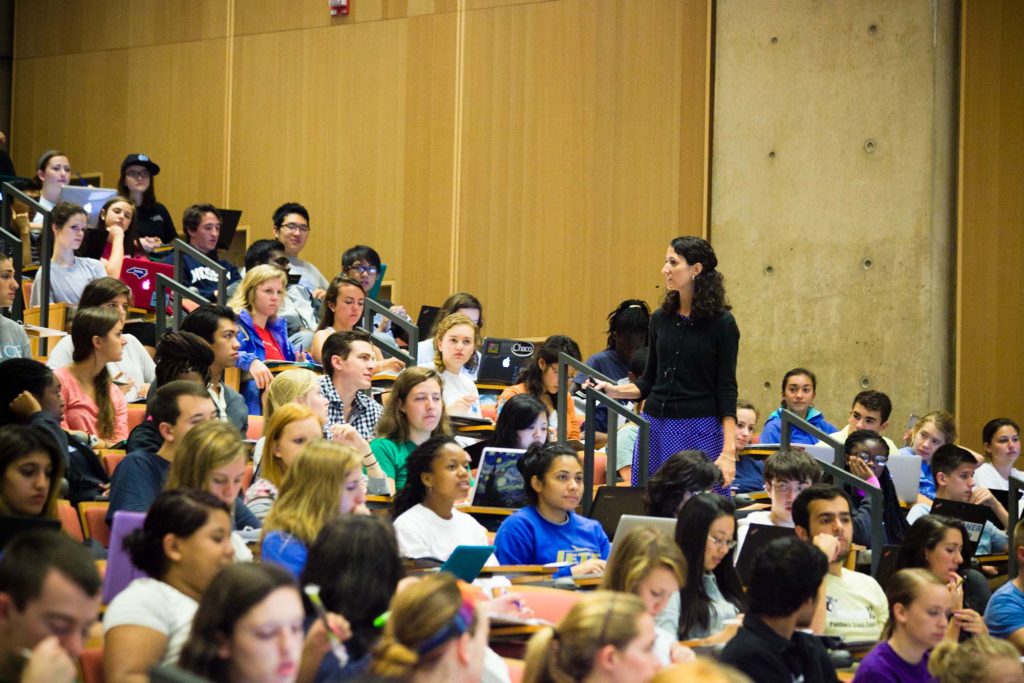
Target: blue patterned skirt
pixel 669 435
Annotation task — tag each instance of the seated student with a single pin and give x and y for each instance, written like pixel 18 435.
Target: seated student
pixel 366 547
pixel 711 593
pixel 212 458
pixel 343 312
pixel 522 423
pixel 460 302
pixel 918 622
pixel 248 627
pixel 786 474
pixel 13 338
pixel 935 429
pixel 953 468
pixel 362 263
pixel 348 374
pixel 628 434
pixel 297 305
pixel 297 385
pixel 649 564
pixel 1002 447
pixel 291 229
pixel 854 608
pixel 798 388
pixel 30 395
pixel 1004 615
pixel 866 455
pixel 683 476
pixel 976 660
pixel 176 408
pixel 137 181
pixel 31 472
pixel 53 171
pixel 286 434
pixel 871 410
pixel 606 636
pixel 114 237
pixel 94 407
pixel 135 371
pixel 426 521
pixel 69 274
pixel 324 482
pixel 549 530
pixel 749 471
pixel 936 543
pixel 217 326
pixel 456 340
pixel 413 413
pixel 627 332
pixel 262 335
pixel 183 544
pixel 539 378
pixel 49 600
pixel 771 646
pixel 202 230
pixel 433 633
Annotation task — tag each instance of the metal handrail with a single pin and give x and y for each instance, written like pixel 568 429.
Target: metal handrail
pixel 181 249
pixel 1013 512
pixel 163 283
pixel 43 278
pixel 589 446
pixel 837 471
pixel 565 361
pixel 370 307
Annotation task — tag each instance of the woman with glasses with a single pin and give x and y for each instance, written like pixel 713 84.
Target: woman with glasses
pixel 866 456
pixel 69 274
pixel 711 594
pixel 154 223
pixel 689 385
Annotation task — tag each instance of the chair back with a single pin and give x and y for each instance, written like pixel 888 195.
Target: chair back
pixel 120 570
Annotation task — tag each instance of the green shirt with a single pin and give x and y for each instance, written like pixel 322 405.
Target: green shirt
pixel 392 456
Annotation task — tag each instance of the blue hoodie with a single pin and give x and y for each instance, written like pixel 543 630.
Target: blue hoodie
pixel 772 432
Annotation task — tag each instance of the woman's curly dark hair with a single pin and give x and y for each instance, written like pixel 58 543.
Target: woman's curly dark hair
pixel 709 287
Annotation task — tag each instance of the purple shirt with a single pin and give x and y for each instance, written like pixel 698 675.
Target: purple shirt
pixel 883 665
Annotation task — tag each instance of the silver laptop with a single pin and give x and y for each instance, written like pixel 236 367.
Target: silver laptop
pixel 91 199
pixel 629 522
pixel 906 475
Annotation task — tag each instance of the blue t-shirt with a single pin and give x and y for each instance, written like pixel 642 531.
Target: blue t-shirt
pixel 1005 612
pixel 285 550
pixel 136 482
pixel 608 363
pixel 772 432
pixel 749 475
pixel 527 538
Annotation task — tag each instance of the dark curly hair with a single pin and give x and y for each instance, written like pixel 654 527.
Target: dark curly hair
pixel 419 462
pixel 709 287
pixel 632 316
pixel 686 472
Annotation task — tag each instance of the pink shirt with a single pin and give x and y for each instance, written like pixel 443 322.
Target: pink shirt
pixel 81 414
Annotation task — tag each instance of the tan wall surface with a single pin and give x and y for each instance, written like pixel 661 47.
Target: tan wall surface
pixel 798 206
pixel 539 154
pixel 990 305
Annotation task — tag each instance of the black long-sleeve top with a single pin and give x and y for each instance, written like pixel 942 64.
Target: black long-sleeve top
pixel 691 366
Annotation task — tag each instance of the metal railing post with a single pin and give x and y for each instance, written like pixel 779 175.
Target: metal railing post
pixel 371 307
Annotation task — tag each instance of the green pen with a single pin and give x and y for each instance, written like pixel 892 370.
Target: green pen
pixel 382 619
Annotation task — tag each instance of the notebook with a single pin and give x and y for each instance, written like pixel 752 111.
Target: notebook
pixel 629 522
pixel 498 482
pixel 612 502
pixel 140 276
pixel 501 360
pixel 758 536
pixel 91 199
pixel 466 561
pixel 906 475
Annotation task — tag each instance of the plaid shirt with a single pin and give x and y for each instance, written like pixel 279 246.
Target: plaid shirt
pixel 365 411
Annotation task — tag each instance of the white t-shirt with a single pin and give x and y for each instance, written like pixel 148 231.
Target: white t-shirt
pixel 68 283
pixel 425 358
pixel 156 605
pixel 311 278
pixel 135 362
pixel 988 476
pixel 421 533
pixel 457 386
pixel 856 607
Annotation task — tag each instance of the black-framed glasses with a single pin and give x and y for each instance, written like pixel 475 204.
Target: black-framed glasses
pixel 364 270
pixel 295 227
pixel 874 459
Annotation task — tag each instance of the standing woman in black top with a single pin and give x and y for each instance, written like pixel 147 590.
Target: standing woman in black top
pixel 155 225
pixel 689 384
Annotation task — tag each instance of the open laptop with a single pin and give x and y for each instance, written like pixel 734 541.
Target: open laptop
pixel 973 517
pixel 11 526
pixel 906 475
pixel 498 482
pixel 425 320
pixel 229 220
pixel 629 522
pixel 140 276
pixel 91 199
pixel 501 359
pixel 612 502
pixel 758 536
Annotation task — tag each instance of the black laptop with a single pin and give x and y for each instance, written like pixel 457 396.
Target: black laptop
pixel 501 360
pixel 13 526
pixel 972 516
pixel 758 536
pixel 230 218
pixel 611 502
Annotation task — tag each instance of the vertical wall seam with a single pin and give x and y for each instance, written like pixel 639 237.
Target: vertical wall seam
pixel 460 34
pixel 229 88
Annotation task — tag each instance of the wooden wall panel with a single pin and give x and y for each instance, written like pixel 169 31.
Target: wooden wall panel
pixel 990 305
pixel 271 16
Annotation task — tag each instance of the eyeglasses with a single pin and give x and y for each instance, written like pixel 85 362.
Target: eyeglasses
pixel 138 175
pixel 364 270
pixel 722 542
pixel 789 489
pixel 295 227
pixel 877 459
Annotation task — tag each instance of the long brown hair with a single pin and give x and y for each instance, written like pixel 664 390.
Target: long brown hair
pixel 96 321
pixel 393 423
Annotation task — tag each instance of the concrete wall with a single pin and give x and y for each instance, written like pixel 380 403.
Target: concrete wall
pixel 831 196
